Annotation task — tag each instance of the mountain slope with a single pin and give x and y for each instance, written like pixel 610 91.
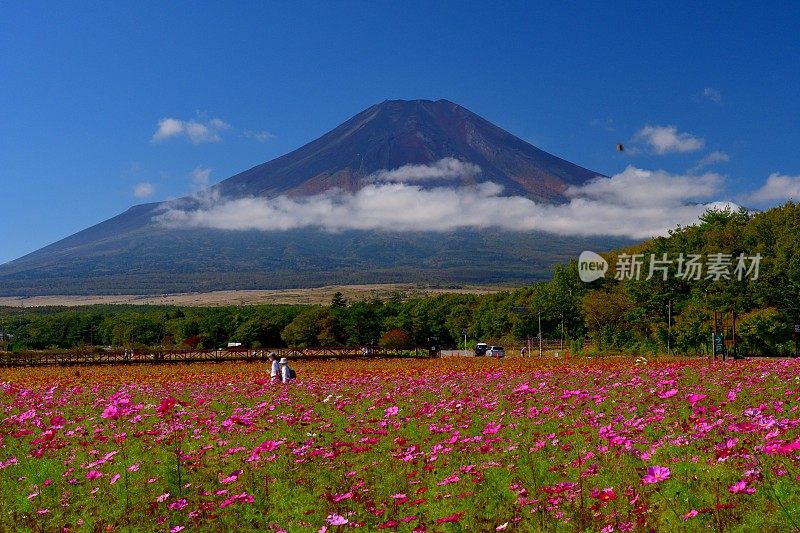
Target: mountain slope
pixel 398 132
pixel 130 253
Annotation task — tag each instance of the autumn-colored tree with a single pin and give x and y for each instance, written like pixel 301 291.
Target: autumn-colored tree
pixel 396 339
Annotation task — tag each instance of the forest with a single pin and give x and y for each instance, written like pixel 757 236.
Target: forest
pixel 649 301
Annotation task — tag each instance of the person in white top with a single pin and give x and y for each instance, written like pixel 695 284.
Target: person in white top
pixel 286 372
pixel 275 368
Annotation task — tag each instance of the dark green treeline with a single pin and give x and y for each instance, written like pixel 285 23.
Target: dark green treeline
pixel 618 315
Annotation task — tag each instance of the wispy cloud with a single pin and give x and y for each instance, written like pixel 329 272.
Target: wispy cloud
pixel 446 168
pixel 778 188
pixel 637 187
pixel 667 139
pixel 712 159
pixel 260 136
pixel 144 190
pixel 201 177
pixel 607 124
pixel 196 131
pixel 712 94
pixel 624 205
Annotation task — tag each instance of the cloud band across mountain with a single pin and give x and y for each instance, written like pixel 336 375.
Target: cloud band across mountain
pixel 635 203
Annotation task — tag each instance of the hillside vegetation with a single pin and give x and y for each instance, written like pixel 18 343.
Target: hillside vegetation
pixel 619 315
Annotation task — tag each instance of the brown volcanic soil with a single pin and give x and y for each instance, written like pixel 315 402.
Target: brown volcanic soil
pixel 321 295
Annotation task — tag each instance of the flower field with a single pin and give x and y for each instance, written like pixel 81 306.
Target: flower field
pixel 446 445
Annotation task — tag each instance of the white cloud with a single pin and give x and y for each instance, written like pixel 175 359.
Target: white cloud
pixel 607 124
pixel 143 190
pixel 636 187
pixel 778 188
pixel 197 132
pixel 712 158
pixel 666 139
pixel 260 136
pixel 446 168
pixel 712 94
pixel 200 177
pixel 635 203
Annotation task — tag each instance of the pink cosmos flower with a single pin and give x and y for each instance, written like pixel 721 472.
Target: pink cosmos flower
pixel 336 519
pixel 179 504
pixel 176 529
pixel 741 487
pixel 114 479
pixel 668 394
pixel 392 411
pixel 166 405
pixel 455 517
pixel 690 514
pixel 163 497
pixel 604 495
pixel 694 398
pixel 491 428
pixel 93 474
pixel 655 474
pixel 111 412
pixel 452 479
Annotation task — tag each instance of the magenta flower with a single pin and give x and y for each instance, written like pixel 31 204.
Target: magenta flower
pixel 605 495
pixel 93 474
pixel 655 474
pixel 392 411
pixel 166 405
pixel 668 394
pixel 336 520
pixel 455 517
pixel 741 487
pixel 179 504
pixel 491 428
pixel 336 498
pixel 111 412
pixel 695 398
pixel 448 480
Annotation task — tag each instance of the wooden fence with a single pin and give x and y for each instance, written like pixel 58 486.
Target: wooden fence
pixel 9 359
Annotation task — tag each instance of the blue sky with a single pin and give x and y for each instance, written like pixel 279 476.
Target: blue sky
pixel 690 88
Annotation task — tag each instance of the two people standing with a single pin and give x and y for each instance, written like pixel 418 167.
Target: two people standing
pixel 280 370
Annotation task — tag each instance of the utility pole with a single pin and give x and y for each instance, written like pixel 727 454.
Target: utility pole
pixel 540 334
pixel 669 324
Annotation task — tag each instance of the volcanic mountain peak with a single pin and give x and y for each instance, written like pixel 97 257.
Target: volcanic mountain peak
pixel 437 149
pixel 395 133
